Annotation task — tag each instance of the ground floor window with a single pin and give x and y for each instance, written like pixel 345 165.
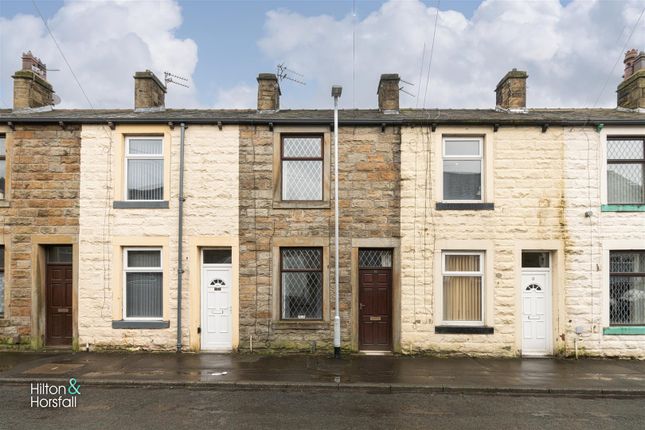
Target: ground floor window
pixel 463 280
pixel 301 283
pixel 143 278
pixel 627 288
pixel 1 281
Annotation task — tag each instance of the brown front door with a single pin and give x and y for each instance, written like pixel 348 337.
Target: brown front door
pixel 375 309
pixel 59 304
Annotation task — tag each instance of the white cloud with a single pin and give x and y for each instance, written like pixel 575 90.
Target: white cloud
pixel 105 42
pixel 567 50
pixel 240 96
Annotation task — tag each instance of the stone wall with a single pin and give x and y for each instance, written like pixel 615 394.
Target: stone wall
pixel 590 239
pixel 527 191
pixel 369 208
pixel 544 183
pixel 43 200
pixel 210 209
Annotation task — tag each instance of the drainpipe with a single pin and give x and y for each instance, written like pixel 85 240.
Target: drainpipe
pixel 336 91
pixel 180 234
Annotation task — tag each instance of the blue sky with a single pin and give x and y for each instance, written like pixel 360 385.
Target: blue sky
pixel 223 45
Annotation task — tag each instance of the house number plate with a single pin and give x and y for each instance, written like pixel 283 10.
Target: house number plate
pixel 375 318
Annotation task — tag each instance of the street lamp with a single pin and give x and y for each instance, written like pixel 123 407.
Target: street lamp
pixel 336 91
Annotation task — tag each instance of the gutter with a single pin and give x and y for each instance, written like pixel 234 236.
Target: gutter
pixel 346 122
pixel 180 233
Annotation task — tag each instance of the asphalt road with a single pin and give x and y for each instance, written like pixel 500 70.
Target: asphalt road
pixel 161 408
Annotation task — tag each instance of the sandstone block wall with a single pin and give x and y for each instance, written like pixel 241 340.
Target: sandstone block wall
pixel 43 200
pixel 210 209
pixel 528 198
pixel 369 203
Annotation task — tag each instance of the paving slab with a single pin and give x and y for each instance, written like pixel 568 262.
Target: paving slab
pixel 283 372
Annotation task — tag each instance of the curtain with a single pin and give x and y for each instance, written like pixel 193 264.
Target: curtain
pixel 462 295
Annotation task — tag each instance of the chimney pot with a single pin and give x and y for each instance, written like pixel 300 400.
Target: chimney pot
pixel 388 93
pixel 268 92
pixel 30 87
pixel 149 91
pixel 631 91
pixel 511 91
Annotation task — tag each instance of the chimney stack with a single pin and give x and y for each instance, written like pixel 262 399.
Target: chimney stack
pixel 631 91
pixel 511 91
pixel 268 92
pixel 30 86
pixel 388 93
pixel 149 92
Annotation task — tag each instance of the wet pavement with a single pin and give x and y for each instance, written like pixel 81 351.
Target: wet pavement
pixel 388 373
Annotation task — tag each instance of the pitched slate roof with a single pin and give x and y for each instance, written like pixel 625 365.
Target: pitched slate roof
pixel 325 116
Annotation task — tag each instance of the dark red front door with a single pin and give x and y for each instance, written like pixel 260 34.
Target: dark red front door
pixel 375 309
pixel 59 304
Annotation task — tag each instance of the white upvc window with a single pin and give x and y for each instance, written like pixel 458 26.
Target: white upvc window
pixel 463 165
pixel 144 169
pixel 142 284
pixel 463 288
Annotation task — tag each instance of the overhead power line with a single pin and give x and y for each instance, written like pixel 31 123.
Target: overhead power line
pixel 62 54
pixel 620 55
pixel 434 36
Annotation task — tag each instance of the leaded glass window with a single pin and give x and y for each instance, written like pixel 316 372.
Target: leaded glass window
pixel 626 170
pixel 301 283
pixel 375 258
pixel 302 168
pixel 143 284
pixel 627 288
pixel 144 168
pixel 3 165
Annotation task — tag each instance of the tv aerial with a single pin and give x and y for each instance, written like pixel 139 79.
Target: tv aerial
pixel 171 78
pixel 403 90
pixel 291 75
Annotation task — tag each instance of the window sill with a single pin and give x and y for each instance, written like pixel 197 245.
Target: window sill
pixel 4 322
pixel 622 208
pixel 304 204
pixel 5 204
pixel 441 206
pixel 630 330
pixel 300 325
pixel 140 324
pixel 454 329
pixel 133 204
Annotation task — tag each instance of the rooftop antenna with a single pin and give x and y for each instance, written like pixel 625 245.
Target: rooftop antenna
pixel 171 78
pixel 403 90
pixel 286 73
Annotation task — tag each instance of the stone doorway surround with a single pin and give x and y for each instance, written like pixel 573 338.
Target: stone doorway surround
pixel 395 245
pixel 558 316
pixel 39 244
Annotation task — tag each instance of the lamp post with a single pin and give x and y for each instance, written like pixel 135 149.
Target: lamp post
pixel 336 91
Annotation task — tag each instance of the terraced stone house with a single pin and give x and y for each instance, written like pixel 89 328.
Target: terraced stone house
pixel 504 231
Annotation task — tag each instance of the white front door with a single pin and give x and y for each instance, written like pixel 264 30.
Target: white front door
pixel 536 313
pixel 216 326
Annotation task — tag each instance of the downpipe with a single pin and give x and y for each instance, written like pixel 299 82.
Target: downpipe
pixel 180 233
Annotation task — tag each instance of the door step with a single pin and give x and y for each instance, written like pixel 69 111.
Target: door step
pixel 375 352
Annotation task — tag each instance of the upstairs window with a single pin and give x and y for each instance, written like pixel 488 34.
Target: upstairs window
pixel 627 288
pixel 462 169
pixel 144 168
pixel 302 168
pixel 626 170
pixel 3 165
